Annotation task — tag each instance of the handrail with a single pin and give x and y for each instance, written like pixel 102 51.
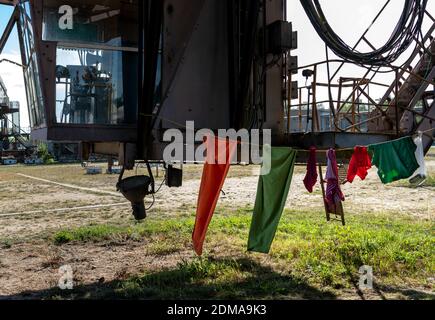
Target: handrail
pixel 399 71
pixel 20 131
pixel 325 101
pixel 412 57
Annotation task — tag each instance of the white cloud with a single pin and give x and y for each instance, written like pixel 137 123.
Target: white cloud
pixel 12 76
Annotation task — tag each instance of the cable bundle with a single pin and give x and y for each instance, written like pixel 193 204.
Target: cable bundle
pixel 406 31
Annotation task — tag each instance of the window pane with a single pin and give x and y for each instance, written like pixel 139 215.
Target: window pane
pixel 31 73
pixel 109 22
pixel 96 86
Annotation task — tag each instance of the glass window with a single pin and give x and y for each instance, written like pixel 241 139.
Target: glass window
pixel 108 22
pixel 96 86
pixel 31 72
pixel 3 92
pixel 96 63
pixel 16 125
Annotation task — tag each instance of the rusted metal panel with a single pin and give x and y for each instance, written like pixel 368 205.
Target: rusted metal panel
pixel 90 133
pixel 180 20
pixel 46 55
pixel 274 78
pixel 195 65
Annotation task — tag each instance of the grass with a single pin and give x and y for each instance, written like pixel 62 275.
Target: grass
pixel 428 183
pixel 134 231
pixel 307 252
pixel 310 258
pixel 209 278
pixel 6 244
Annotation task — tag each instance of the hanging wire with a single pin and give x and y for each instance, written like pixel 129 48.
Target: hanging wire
pixel 407 29
pixel 298 150
pixel 163 182
pixel 152 203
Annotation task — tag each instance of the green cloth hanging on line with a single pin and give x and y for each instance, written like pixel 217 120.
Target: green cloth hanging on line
pixel 272 192
pixel 395 160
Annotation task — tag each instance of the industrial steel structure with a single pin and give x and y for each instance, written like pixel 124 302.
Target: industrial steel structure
pixel 128 70
pixel 15 142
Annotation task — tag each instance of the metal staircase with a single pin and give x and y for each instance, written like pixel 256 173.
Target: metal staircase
pixel 8 129
pixel 412 109
pixel 18 135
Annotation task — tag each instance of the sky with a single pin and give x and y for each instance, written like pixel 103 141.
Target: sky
pixel 348 18
pixel 12 75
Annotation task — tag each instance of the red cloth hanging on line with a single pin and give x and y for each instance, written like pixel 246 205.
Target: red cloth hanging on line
pixel 213 177
pixel 333 191
pixel 359 164
pixel 310 179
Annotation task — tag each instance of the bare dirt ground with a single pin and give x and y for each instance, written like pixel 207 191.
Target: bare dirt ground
pixel 28 262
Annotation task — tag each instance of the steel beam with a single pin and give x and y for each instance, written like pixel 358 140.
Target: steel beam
pixel 9 27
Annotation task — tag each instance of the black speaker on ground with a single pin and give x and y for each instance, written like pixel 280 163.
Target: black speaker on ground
pixel 174 177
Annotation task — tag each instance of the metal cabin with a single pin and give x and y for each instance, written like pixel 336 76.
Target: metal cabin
pixel 207 61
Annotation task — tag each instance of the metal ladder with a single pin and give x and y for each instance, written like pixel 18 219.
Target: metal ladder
pixel 400 115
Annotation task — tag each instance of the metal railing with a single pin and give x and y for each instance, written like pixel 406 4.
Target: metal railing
pixel 349 108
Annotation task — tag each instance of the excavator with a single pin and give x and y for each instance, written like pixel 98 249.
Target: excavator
pixel 115 75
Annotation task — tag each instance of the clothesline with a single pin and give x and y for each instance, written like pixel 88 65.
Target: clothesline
pixel 184 126
pixel 351 149
pixel 426 131
pixel 396 160
pixel 298 150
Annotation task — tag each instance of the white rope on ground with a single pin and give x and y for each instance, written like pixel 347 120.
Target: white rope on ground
pixel 65 209
pixel 71 186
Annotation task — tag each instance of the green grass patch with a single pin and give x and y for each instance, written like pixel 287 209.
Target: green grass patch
pixel 307 251
pixel 429 182
pixel 6 244
pixel 431 152
pixel 134 231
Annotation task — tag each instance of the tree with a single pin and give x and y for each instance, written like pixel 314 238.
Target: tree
pixel 44 154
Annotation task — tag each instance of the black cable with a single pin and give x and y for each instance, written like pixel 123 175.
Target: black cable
pixel 161 185
pixel 152 203
pixel 407 28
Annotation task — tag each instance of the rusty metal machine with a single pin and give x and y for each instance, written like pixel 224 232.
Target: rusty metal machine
pixel 218 63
